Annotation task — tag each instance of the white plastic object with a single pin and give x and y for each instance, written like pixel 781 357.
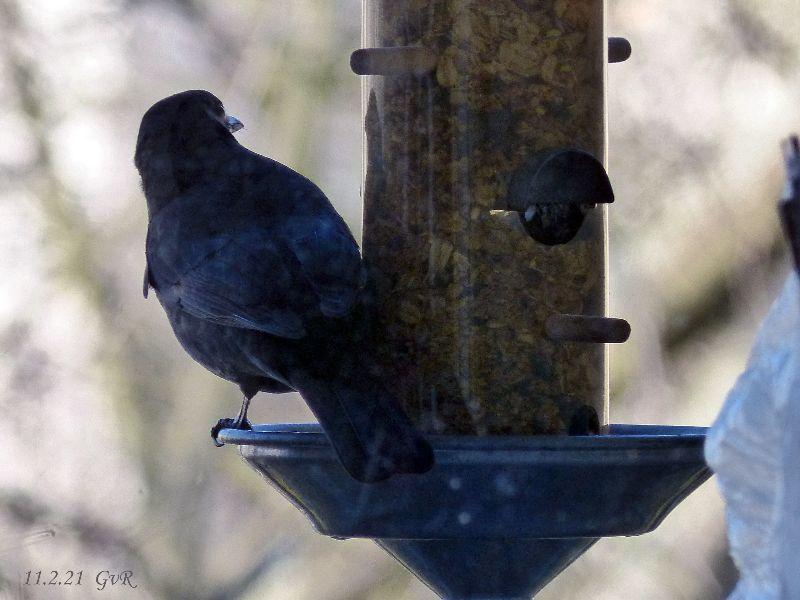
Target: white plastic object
pixel 754 449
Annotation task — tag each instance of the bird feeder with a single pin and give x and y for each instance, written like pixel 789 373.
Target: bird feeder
pixel 483 160
pixel 485 238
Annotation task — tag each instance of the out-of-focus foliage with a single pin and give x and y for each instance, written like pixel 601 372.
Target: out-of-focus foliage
pixel 105 420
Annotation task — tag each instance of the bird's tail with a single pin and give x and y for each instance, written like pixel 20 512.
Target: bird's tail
pixel 372 435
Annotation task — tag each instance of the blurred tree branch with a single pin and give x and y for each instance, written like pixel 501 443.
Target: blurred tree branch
pixel 759 38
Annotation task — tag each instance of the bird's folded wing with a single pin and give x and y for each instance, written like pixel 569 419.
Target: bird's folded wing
pixel 240 280
pixel 329 259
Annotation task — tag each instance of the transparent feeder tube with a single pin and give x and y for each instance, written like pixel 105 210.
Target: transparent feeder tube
pixel 469 94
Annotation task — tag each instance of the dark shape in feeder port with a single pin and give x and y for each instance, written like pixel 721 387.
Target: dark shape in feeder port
pixel 552 192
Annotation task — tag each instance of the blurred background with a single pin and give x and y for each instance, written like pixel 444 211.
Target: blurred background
pixel 106 461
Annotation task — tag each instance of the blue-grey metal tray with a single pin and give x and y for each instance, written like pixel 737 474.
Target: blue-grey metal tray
pixel 622 482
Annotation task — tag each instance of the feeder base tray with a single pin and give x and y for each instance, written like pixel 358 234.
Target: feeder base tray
pixel 496 517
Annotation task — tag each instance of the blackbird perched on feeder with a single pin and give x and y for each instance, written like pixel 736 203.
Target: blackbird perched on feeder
pixel 262 282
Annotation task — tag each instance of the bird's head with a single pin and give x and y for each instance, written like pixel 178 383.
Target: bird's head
pixel 177 137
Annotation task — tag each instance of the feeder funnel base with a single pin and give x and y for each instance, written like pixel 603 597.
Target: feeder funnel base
pixel 496 518
pixel 472 569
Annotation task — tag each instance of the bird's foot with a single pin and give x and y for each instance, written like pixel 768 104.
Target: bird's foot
pixel 228 424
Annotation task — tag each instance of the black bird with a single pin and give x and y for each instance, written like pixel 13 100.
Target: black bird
pixel 262 282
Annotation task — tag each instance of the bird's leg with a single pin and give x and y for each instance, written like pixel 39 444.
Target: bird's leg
pixel 240 422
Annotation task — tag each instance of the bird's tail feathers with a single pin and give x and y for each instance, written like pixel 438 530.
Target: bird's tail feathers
pixel 369 431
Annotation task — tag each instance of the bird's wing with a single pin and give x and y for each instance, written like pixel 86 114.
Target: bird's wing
pixel 238 278
pixel 328 257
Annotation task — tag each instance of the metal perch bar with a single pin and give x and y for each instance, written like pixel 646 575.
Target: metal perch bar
pixel 414 60
pixel 401 60
pixel 619 49
pixel 582 328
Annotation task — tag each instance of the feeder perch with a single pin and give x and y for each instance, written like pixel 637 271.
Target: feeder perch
pixel 580 328
pixel 619 49
pixel 492 329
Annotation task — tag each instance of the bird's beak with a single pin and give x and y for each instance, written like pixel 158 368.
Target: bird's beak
pixel 233 124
